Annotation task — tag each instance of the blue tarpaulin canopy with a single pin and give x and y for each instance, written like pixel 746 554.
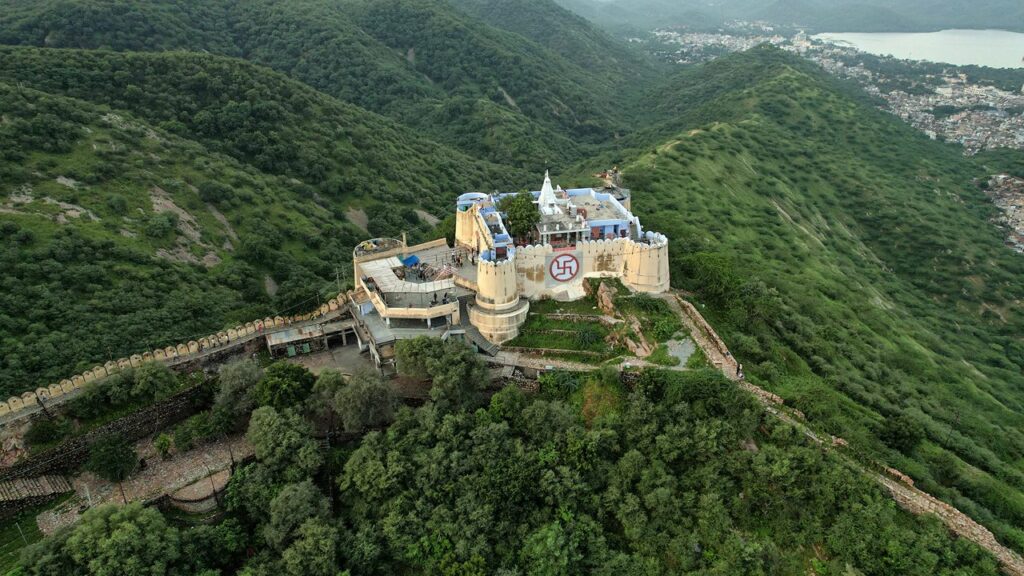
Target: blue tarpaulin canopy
pixel 411 261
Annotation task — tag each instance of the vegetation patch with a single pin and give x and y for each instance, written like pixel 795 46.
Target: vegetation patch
pixel 661 356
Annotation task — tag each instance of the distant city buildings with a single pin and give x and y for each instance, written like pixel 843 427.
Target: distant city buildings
pixel 1007 193
pixel 944 106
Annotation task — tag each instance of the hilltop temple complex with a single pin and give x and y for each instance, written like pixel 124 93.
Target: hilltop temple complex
pixel 483 284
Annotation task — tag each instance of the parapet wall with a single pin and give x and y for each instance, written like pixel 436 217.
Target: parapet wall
pixel 498 312
pixel 496 284
pixel 28 401
pixel 642 266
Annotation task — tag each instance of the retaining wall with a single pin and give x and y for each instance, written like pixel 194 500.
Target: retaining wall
pixel 71 453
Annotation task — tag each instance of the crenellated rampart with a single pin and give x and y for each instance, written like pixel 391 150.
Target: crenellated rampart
pixel 29 401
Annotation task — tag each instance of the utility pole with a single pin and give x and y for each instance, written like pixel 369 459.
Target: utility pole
pixel 213 486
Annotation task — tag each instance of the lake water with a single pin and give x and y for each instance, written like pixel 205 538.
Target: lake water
pixel 995 48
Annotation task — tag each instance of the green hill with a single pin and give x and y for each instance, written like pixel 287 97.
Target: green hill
pixel 195 178
pixel 414 60
pixel 153 192
pixel 566 33
pixel 850 262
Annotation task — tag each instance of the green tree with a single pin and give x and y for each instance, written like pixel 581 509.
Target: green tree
pixel 456 371
pixel 328 384
pixel 314 551
pixel 154 380
pixel 250 489
pixel 365 401
pixel 237 382
pixel 112 458
pixel 294 504
pixel 283 442
pixel 110 540
pixel 283 385
pixel 902 432
pixel 521 215
pixel 44 430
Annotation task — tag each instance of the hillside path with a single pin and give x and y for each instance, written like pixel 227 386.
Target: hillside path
pixel 907 497
pixel 157 478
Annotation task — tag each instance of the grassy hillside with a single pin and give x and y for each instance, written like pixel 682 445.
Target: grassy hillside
pixel 849 261
pixel 568 34
pixel 414 60
pixel 262 118
pixel 139 210
pixel 150 195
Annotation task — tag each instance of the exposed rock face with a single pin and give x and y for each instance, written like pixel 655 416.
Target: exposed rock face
pixel 606 299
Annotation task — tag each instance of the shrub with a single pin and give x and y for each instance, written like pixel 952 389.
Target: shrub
pixel 215 193
pixel 45 430
pixel 162 224
pixel 162 443
pixel 902 432
pixel 154 380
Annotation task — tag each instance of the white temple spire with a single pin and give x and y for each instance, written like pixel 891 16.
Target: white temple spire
pixel 547 202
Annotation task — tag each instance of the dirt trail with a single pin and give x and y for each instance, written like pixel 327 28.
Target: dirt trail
pixel 909 498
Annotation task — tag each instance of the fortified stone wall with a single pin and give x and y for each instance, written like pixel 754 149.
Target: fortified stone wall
pixel 641 266
pixel 496 284
pixel 172 355
pixel 465 227
pixel 498 312
pixel 645 266
pixel 71 453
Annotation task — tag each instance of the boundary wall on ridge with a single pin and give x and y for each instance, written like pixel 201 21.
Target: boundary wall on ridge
pixel 29 401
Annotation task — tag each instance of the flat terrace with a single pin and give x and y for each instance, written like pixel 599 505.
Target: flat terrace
pixel 422 279
pixel 596 209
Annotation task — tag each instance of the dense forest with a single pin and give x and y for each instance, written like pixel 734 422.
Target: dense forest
pixel 483 89
pixel 172 168
pixel 684 475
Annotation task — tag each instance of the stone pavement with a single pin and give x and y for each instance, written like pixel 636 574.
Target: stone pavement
pixel 157 478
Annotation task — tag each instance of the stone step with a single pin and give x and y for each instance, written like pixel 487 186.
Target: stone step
pixel 21 488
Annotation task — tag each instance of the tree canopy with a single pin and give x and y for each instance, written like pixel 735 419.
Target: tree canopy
pixel 112 458
pixel 521 216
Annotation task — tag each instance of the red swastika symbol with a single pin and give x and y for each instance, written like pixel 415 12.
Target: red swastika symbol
pixel 564 267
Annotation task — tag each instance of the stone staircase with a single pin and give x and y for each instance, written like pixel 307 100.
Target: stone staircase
pixel 22 488
pixel 482 344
